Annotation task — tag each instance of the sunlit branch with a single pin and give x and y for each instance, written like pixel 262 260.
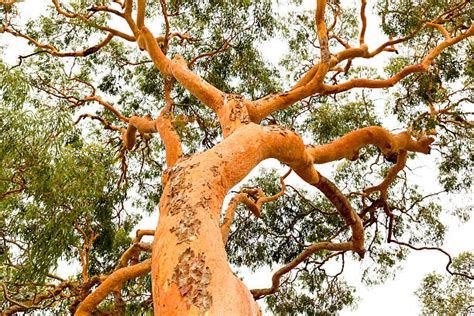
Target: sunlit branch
pixel 441 29
pixel 385 83
pixel 363 22
pixel 383 186
pixel 113 281
pixel 325 55
pixel 349 145
pixel 310 83
pixel 87 246
pixel 132 251
pixel 205 92
pixel 107 106
pixel 346 146
pixel 141 8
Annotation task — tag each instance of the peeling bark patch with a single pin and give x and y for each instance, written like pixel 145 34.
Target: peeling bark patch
pixel 188 228
pixel 193 277
pixel 325 55
pixel 238 110
pixel 215 171
pixel 177 204
pixel 177 197
pixel 204 202
pixel 276 128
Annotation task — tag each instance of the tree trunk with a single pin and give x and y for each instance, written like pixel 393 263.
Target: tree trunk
pixel 190 270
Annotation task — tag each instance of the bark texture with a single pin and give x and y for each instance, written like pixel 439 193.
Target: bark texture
pixel 190 270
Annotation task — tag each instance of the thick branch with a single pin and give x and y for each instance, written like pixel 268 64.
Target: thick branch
pixel 310 83
pixel 112 282
pixel 349 145
pixel 346 211
pixel 132 251
pixel 363 20
pixel 205 92
pixel 145 125
pixel 141 8
pixel 351 219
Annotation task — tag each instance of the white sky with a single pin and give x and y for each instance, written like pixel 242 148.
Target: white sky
pixel 395 297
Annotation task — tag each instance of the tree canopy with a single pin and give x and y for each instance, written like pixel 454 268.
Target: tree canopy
pixel 81 163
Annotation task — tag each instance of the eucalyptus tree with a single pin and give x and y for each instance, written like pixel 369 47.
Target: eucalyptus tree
pixel 81 163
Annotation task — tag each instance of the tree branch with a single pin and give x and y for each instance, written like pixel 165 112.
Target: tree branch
pixel 54 52
pixel 319 246
pixel 311 82
pixel 383 186
pixel 205 92
pixel 363 20
pixel 385 83
pixel 112 282
pixel 349 145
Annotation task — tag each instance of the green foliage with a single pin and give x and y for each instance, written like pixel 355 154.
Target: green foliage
pixel 332 120
pixel 324 296
pixel 64 184
pixel 451 294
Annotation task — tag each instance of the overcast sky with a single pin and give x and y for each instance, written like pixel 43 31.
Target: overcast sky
pixel 395 297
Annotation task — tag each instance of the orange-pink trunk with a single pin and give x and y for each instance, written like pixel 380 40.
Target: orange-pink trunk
pixel 190 270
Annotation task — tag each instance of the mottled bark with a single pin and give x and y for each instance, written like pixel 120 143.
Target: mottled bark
pixel 190 270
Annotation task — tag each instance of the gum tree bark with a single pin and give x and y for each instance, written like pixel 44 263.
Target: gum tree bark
pixel 190 271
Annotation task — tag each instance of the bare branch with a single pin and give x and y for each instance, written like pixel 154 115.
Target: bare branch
pixel 141 8
pixel 100 119
pixel 319 246
pixel 54 52
pixel 450 260
pixel 383 186
pixel 205 92
pixel 363 19
pixel 113 281
pixel 385 83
